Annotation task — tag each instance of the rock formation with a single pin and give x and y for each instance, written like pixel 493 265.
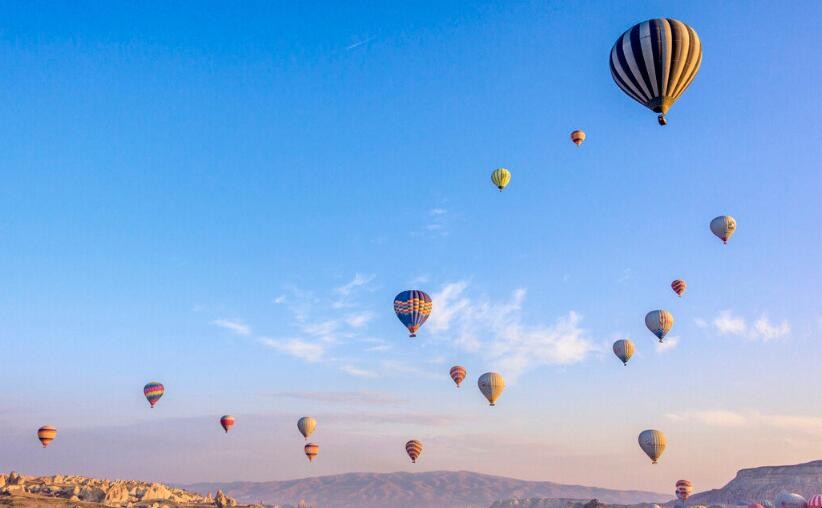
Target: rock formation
pixel 115 494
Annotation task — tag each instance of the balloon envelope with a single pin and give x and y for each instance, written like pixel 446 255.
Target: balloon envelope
pixel 679 286
pixel 491 384
pixel 653 62
pixel 815 501
pixel 311 450
pixel 458 373
pixel 153 391
pixel 413 308
pixel 413 448
pixel 789 500
pixel 683 489
pixel 226 422
pixel 578 137
pixel 659 322
pixel 501 177
pixel 624 350
pixel 46 434
pixel 723 227
pixel 306 426
pixel 653 443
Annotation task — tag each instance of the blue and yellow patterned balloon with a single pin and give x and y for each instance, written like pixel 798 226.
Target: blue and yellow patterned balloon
pixel 412 307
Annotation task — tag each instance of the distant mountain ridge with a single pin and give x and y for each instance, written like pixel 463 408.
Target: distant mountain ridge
pixel 759 484
pixel 436 489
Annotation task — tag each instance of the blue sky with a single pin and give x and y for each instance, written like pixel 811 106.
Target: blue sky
pixel 226 199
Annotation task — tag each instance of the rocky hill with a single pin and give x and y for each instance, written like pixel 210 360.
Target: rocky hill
pixel 764 483
pixel 59 490
pixel 542 502
pixel 438 489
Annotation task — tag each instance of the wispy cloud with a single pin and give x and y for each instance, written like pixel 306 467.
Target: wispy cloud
pixel 232 325
pixel 728 323
pixel 357 44
pixel 733 419
pixel 670 343
pixel 626 274
pixel 343 397
pixel 359 319
pixel 497 330
pixel 359 280
pixel 308 351
pixel 358 372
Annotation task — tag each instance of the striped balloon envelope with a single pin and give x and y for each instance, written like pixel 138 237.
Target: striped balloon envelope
pixel 653 62
pixel 491 384
pixel 413 448
pixel 683 489
pixel 815 501
pixel 578 137
pixel 153 391
pixel 501 177
pixel 756 505
pixel 458 374
pixel 306 426
pixel 413 308
pixel 226 422
pixel 653 443
pixel 679 286
pixel 311 451
pixel 659 322
pixel 723 227
pixel 46 434
pixel 624 350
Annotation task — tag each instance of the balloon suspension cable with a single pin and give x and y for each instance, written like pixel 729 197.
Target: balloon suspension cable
pixel 661 119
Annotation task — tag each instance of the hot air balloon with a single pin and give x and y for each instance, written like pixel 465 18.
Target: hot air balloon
pixel 458 373
pixel 652 443
pixel 227 422
pixel 412 307
pixel 723 227
pixel 679 286
pixel 655 61
pixel 491 384
pixel 683 489
pixel 659 322
pixel 46 434
pixel 306 426
pixel 578 137
pixel 500 177
pixel 311 451
pixel 413 448
pixel 153 391
pixel 756 505
pixel 815 501
pixel 789 500
pixel 624 350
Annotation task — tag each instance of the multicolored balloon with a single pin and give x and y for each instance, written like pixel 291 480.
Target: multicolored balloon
pixel 655 61
pixel 413 448
pixel 413 308
pixel 679 286
pixel 311 451
pixel 306 426
pixel 578 137
pixel 501 177
pixel 46 434
pixel 624 350
pixel 653 443
pixel 723 227
pixel 458 373
pixel 683 489
pixel 153 391
pixel 815 501
pixel 491 384
pixel 659 322
pixel 226 422
pixel 756 505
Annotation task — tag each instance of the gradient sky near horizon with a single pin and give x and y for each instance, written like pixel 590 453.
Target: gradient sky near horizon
pixel 226 198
